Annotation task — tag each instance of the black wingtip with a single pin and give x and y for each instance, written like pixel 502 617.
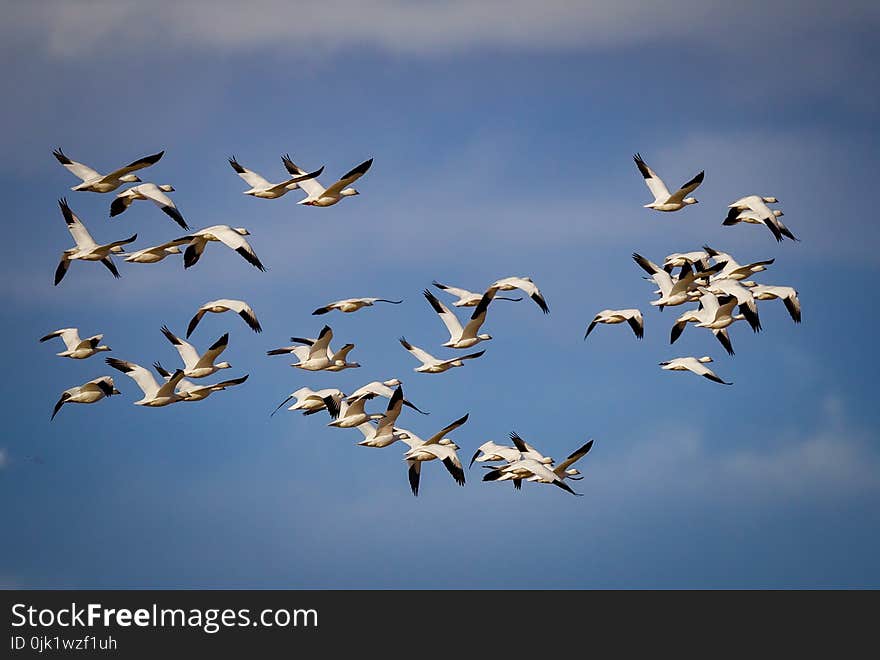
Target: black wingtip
pixel 234 163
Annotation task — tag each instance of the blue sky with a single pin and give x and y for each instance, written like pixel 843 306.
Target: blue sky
pixel 502 136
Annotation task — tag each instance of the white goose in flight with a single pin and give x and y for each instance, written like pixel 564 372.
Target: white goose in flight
pixel 86 249
pixel 672 293
pixel 308 400
pixel 430 364
pixel 539 468
pixel 382 389
pixel 316 354
pixel 632 316
pixel 735 216
pixel 77 349
pixel 195 365
pixel 153 193
pixel 757 205
pixel 152 255
pixel 93 181
pixel 155 395
pixel 240 307
pixel 731 269
pixel 90 392
pixel 663 200
pixel 467 298
pixel 318 195
pixel 744 298
pixel 352 305
pixel 786 294
pixel 694 365
pixel 383 434
pixel 712 315
pixel 524 284
pixel 462 337
pixel 231 237
pixel 422 451
pixel 192 392
pixel 698 259
pixel 260 187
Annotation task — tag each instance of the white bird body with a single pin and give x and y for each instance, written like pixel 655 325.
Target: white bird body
pixel 86 248
pixel 240 307
pixel 524 284
pixel 679 259
pixel 350 305
pixel 432 365
pixel 149 192
pixel 94 181
pixel 308 400
pixel 786 294
pixel 90 392
pixel 77 349
pixel 152 255
pixel 437 447
pixel 231 237
pixel 467 298
pixel 694 365
pixel 194 392
pixel 316 354
pixel 663 200
pixel 743 296
pixel 383 433
pixel 263 189
pixel 672 292
pixel 155 395
pixel 461 337
pixel 318 195
pixel 756 206
pixel 196 365
pixel 613 316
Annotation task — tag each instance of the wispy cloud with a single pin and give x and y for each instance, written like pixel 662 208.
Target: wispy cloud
pixel 416 27
pixel 4 458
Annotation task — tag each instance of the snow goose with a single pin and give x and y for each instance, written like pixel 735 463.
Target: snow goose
pixel 698 259
pixel 786 294
pixel 461 337
pixel 612 316
pixel 155 395
pixel 347 414
pixel 540 469
pixel 763 213
pixel 663 201
pixel 316 194
pixel 192 392
pixel 710 313
pixel 694 365
pixel 240 307
pixel 524 284
pixel 86 249
pixel 352 305
pixel 261 188
pixel 308 400
pixel 495 452
pixel 521 451
pixel 731 268
pixel 93 181
pixel 430 364
pixel 153 193
pixel 467 298
pixel 672 293
pixel 420 451
pixel 744 298
pixel 383 433
pixel 316 354
pixel 77 348
pixel 382 389
pixel 152 255
pixel 94 390
pixel 195 365
pixel 231 237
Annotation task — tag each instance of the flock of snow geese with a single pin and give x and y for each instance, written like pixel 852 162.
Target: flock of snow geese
pixel 721 288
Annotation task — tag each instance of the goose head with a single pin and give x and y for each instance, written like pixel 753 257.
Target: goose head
pixel 130 178
pixel 484 336
pixel 241 230
pixel 166 188
pixel 770 200
pixel 174 249
pixel 223 365
pixel 690 200
pixel 394 382
pixel 348 192
pixel 705 359
pixel 103 348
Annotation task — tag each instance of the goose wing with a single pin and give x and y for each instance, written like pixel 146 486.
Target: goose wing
pixel 80 171
pixel 349 178
pixel 144 379
pixel 686 189
pixel 139 164
pixel 156 195
pixel 455 291
pixel 437 437
pixel 213 352
pixel 311 186
pixel 422 356
pixel 655 183
pixel 250 177
pixel 449 319
pixel 70 337
pixel 235 241
pixel 77 229
pixel 187 351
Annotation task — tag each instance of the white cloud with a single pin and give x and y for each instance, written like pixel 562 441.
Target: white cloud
pixel 416 27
